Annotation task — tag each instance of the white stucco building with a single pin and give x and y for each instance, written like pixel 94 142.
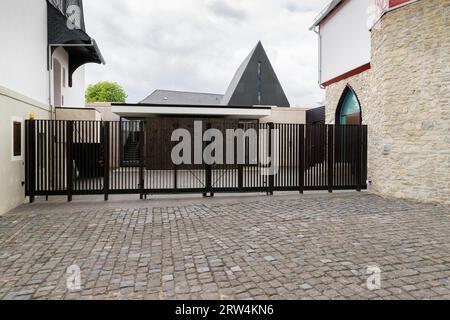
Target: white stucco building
pixel 44 49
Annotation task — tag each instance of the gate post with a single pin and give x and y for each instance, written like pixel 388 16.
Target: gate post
pixel 69 160
pixel 31 159
pixel 330 157
pixel 272 155
pixel 106 139
pixel 359 159
pixel 301 165
pixel 141 160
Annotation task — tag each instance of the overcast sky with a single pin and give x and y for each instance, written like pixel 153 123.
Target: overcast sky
pixel 197 45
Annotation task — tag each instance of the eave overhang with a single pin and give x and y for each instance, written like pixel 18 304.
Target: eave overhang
pixel 152 110
pixel 325 13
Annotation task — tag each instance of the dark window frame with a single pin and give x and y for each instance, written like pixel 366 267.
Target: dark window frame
pixel 17 139
pixel 348 89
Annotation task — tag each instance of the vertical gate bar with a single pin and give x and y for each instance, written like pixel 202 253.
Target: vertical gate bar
pixel 62 161
pixel 45 141
pixel 301 166
pixel 286 155
pixel 323 156
pixel 115 146
pixel 237 159
pixel 293 162
pixel 308 153
pixel 330 158
pixel 284 144
pixel 55 155
pixel 40 176
pixel 58 155
pixel 106 135
pixel 141 159
pixel 51 155
pixel 32 159
pixel 124 161
pixel 365 177
pixel 27 158
pixel 341 156
pixel 272 157
pixel 69 161
pixel 98 151
pixel 358 158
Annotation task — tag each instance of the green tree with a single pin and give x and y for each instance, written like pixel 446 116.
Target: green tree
pixel 105 91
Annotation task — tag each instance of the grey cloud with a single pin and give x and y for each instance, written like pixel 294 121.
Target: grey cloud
pixel 223 9
pixel 183 45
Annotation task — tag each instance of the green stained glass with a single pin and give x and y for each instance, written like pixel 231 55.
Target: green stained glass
pixel 350 105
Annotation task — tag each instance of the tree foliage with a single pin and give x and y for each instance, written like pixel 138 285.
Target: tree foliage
pixel 105 91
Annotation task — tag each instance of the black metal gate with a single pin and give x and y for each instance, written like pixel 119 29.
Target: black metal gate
pixel 134 157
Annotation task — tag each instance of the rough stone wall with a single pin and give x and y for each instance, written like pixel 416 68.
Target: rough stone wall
pixel 405 99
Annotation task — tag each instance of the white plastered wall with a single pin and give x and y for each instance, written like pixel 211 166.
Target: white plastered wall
pixel 24 85
pixel 345 39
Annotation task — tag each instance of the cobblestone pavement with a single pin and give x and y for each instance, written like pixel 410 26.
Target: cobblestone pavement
pixel 315 246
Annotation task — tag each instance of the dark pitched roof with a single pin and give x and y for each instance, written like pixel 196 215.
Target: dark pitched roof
pixel 180 97
pixel 255 83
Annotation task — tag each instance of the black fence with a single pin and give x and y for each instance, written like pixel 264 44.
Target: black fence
pixel 134 157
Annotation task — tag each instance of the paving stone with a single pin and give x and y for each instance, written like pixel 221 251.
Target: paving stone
pixel 305 286
pixel 167 278
pixel 325 261
pixel 236 269
pixel 269 258
pixel 203 270
pixel 213 248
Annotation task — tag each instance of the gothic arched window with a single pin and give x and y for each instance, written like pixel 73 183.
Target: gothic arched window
pixel 349 109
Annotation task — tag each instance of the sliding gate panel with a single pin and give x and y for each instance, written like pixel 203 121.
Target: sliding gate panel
pixel 162 175
pixel 138 157
pixel 124 156
pixel 85 146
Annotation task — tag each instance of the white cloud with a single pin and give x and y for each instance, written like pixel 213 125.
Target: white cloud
pixel 197 45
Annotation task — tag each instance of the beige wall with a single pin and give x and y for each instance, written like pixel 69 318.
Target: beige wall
pixel 286 115
pixel 78 114
pixel 12 104
pixel 105 110
pixel 405 100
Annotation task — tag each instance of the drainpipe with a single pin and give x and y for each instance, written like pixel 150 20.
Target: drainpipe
pixel 317 31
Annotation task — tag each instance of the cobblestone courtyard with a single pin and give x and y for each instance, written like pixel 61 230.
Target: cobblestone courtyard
pixel 315 246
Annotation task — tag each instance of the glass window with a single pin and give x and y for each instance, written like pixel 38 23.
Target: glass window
pixel 349 109
pixel 259 83
pixel 17 139
pixel 64 77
